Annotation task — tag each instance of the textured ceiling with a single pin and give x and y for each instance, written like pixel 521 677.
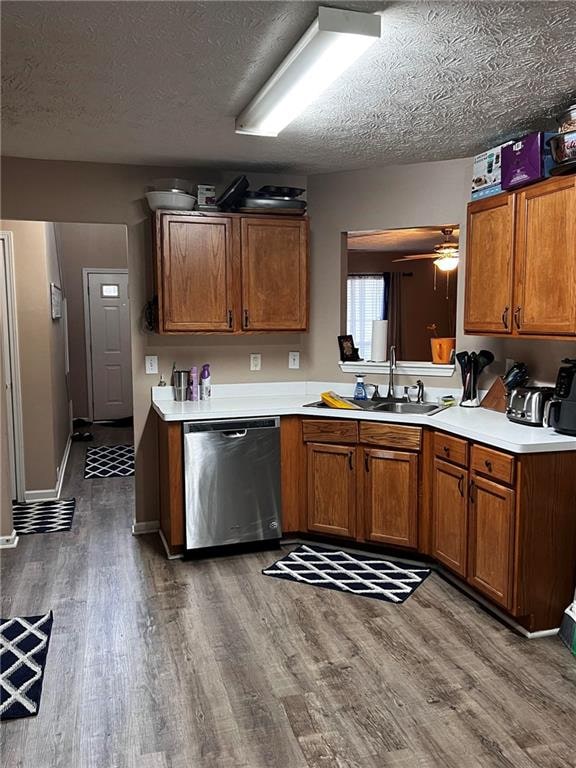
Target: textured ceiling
pixel 400 241
pixel 161 82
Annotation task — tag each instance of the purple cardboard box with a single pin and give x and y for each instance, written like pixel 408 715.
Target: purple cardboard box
pixel 526 160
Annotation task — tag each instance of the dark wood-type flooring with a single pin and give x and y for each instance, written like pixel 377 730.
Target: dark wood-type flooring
pixel 159 664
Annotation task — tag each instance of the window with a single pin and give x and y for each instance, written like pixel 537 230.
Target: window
pixel 366 301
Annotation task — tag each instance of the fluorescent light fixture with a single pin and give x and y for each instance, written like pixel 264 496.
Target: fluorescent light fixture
pixel 330 45
pixel 447 263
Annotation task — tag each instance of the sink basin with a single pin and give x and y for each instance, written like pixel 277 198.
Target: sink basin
pixel 388 406
pixel 407 407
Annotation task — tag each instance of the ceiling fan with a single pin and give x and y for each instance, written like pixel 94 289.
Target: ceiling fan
pixel 445 254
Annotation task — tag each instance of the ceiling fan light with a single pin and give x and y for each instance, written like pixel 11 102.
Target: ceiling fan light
pixel 330 45
pixel 447 263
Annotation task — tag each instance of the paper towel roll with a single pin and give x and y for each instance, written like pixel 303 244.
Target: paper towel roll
pixel 379 340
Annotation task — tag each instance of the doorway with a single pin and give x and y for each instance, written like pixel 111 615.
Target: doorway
pixel 108 345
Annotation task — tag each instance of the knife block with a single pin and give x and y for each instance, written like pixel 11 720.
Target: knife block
pixel 495 399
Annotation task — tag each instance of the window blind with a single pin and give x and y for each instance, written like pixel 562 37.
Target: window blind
pixel 365 302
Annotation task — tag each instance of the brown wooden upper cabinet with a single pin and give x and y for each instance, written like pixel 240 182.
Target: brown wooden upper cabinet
pixel 226 273
pixel 521 262
pixel 274 274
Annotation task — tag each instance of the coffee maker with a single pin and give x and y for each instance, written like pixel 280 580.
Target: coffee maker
pixel 560 411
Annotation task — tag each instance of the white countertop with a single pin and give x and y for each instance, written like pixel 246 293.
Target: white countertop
pixel 246 401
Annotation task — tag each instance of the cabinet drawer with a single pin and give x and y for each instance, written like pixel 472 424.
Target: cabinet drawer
pixel 491 463
pixel 451 448
pixel 390 435
pixel 330 431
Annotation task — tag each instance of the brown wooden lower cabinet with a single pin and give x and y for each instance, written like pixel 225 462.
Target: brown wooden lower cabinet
pixel 450 516
pixel 391 497
pixel 332 489
pixel 491 540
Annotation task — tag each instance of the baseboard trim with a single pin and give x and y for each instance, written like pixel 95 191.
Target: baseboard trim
pixel 169 555
pixel 9 542
pixel 147 526
pixel 51 494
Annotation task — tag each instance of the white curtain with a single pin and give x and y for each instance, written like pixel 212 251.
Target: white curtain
pixel 365 302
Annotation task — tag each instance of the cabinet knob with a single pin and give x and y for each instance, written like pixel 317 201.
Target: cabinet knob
pixel 446 450
pixel 488 465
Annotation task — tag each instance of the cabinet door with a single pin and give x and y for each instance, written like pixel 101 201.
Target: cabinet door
pixel 331 489
pixel 274 274
pixel 450 516
pixel 196 274
pixel 491 552
pixel 545 301
pixel 391 497
pixel 489 265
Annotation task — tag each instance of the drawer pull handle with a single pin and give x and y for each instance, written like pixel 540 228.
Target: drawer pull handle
pixel 367 462
pixel 446 450
pixel 246 319
pixel 461 485
pixel 488 465
pixel 351 460
pixel 470 492
pixel 229 318
pixel 517 317
pixel 505 317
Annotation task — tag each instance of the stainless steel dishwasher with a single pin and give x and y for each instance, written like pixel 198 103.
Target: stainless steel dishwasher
pixel 232 481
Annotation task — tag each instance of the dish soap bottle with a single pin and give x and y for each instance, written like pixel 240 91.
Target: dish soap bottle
pixel 360 388
pixel 205 388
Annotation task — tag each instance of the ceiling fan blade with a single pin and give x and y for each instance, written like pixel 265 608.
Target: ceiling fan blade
pixel 417 257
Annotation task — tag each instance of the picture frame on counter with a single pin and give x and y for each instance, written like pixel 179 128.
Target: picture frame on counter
pixel 348 352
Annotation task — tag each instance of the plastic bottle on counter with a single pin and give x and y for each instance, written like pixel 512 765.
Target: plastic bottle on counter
pixel 193 384
pixel 360 389
pixel 205 386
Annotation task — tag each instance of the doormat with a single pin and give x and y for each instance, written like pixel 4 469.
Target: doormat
pixel 23 650
pixel 109 461
pixel 43 516
pixel 346 572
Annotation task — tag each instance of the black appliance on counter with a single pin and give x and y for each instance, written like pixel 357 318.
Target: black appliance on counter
pixel 560 412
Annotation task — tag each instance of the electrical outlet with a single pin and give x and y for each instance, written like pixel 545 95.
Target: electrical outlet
pixel 151 363
pixel 293 359
pixel 255 362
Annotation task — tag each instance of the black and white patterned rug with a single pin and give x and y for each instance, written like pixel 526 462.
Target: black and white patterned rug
pixel 43 516
pixel 23 649
pixel 346 572
pixel 109 461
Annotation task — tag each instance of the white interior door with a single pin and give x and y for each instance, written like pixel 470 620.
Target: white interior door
pixel 110 357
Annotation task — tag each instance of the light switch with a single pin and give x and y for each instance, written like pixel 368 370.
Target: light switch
pixel 255 362
pixel 293 359
pixel 151 363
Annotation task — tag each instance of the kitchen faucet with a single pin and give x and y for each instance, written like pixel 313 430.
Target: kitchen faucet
pixel 392 359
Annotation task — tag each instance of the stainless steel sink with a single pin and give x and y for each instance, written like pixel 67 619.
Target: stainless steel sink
pixel 426 408
pixel 388 406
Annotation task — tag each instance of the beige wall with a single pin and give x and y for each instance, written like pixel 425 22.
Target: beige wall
pixel 85 245
pixel 102 193
pixel 376 198
pixel 6 525
pixel 42 350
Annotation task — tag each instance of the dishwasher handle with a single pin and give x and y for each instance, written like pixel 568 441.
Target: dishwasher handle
pixel 235 434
